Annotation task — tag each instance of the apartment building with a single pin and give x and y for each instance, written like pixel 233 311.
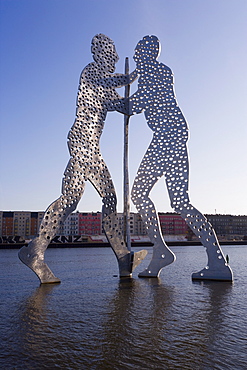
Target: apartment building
pixel 136 225
pixel 23 223
pixel 229 226
pixel 70 225
pixel 26 224
pixel 89 223
pixel 20 223
pixel 172 224
pixel 7 223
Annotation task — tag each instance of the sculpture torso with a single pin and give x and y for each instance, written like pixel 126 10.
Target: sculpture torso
pixel 96 96
pixel 155 95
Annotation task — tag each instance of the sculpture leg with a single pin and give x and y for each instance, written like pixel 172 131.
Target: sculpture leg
pixel 33 254
pixel 177 184
pixel 148 174
pixel 127 260
pixel 217 267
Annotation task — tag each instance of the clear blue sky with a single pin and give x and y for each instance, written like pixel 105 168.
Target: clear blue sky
pixel 46 43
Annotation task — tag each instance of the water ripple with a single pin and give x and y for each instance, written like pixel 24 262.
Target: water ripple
pixel 93 320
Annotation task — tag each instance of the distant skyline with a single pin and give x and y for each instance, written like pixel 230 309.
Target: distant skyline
pixel 44 46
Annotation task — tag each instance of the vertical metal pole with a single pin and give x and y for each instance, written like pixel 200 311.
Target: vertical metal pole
pixel 126 215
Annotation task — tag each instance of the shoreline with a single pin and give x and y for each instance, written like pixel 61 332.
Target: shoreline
pixel 107 245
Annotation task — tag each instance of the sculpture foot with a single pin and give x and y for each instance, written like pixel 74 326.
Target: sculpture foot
pixel 124 264
pixel 130 261
pixel 138 257
pixel 157 263
pixel 223 273
pixel 39 267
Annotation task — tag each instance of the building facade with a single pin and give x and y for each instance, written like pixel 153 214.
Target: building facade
pixel 172 224
pixel 20 223
pixel 136 225
pixel 26 224
pixel 89 223
pixel 70 225
pixel 228 226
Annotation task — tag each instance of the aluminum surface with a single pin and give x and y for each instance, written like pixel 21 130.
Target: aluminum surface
pixel 167 156
pixel 96 96
pixel 126 199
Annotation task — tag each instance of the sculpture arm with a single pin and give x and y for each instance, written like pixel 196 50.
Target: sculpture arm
pixel 133 76
pixel 122 106
pixel 123 80
pixel 129 106
pixel 120 80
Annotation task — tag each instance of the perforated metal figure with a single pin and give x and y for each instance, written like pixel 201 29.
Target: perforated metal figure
pixel 167 156
pixel 96 96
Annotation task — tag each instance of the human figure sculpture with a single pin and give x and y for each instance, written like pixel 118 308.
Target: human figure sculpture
pixel 96 96
pixel 167 156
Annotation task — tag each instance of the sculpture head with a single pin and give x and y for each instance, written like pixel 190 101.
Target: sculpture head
pixel 104 52
pixel 147 49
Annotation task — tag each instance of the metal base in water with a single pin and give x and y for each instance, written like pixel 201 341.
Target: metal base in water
pixel 222 274
pixel 38 266
pixel 130 261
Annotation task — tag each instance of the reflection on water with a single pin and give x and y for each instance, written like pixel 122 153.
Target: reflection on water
pixel 34 328
pixel 212 324
pixel 95 321
pixel 137 316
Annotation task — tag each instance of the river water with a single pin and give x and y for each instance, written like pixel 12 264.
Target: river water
pixel 94 320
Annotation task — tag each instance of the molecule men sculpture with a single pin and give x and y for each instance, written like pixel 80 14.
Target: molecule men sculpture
pixel 166 156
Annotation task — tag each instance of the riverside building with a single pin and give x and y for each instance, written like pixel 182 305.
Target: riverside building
pixel 26 224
